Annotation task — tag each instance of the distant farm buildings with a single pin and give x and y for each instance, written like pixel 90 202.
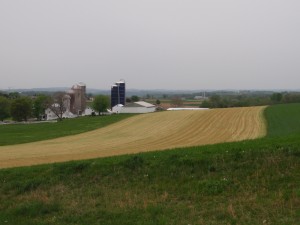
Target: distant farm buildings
pixel 134 107
pixel 118 93
pixel 119 105
pixel 74 104
pixel 77 99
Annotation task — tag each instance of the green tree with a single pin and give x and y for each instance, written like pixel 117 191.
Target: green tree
pixel 40 104
pixel 157 102
pixel 216 101
pixel 276 97
pixel 205 104
pixel 14 95
pixel 4 108
pixel 100 103
pixel 135 98
pixel 21 108
pixel 3 94
pixel 58 104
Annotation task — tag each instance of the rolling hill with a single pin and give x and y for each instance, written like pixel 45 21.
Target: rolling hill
pixel 148 132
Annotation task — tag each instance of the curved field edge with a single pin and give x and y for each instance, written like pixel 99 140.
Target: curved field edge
pixel 247 182
pixel 156 131
pixel 12 134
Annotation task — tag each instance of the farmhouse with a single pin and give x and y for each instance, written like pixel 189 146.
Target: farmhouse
pixel 134 107
pixel 50 115
pixel 74 104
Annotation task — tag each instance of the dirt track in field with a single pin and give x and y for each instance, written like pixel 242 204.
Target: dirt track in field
pixel 149 132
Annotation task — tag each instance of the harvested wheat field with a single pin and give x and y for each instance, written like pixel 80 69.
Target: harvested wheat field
pixel 148 132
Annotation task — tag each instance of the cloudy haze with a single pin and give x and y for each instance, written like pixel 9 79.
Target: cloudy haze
pixel 152 44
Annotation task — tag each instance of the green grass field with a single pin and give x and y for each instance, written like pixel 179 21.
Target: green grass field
pixel 249 182
pixel 24 133
pixel 283 120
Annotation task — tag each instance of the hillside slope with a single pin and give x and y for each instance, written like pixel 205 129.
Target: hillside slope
pixel 249 182
pixel 141 133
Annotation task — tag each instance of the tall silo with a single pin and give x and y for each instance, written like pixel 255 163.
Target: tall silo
pixel 118 93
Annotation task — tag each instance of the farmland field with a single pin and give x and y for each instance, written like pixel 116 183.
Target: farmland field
pixel 24 133
pixel 149 132
pixel 248 182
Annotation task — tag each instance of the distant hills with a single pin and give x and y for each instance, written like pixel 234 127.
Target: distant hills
pixel 138 92
pixel 151 92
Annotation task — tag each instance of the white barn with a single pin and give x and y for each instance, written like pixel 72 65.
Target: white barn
pixel 134 107
pixel 50 115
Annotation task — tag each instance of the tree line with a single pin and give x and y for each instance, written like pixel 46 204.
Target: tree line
pixel 218 101
pixel 21 108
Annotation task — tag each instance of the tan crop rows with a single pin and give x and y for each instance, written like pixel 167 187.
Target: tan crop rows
pixel 142 133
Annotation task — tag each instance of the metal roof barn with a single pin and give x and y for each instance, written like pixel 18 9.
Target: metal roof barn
pixel 134 107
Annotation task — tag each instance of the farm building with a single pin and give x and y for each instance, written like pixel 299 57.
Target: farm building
pixel 77 102
pixel 74 104
pixel 134 107
pixel 177 109
pixel 50 115
pixel 118 92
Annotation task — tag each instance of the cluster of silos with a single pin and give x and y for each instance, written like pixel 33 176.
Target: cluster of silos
pixel 118 93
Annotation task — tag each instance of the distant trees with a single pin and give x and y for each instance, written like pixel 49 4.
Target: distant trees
pixel 58 105
pixel 135 98
pixel 21 108
pixel 4 108
pixel 291 97
pixel 14 105
pixel 14 95
pixel 2 94
pixel 217 101
pixel 100 103
pixel 205 104
pixel 40 104
pixel 276 97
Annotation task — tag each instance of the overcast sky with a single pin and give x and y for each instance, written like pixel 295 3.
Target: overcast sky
pixel 152 44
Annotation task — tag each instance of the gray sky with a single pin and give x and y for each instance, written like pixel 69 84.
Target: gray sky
pixel 152 44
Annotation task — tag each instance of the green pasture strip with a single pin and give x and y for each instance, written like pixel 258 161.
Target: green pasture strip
pixel 283 120
pixel 236 183
pixel 249 182
pixel 24 133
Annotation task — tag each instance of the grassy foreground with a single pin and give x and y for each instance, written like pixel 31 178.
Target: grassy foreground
pixel 249 182
pixel 23 133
